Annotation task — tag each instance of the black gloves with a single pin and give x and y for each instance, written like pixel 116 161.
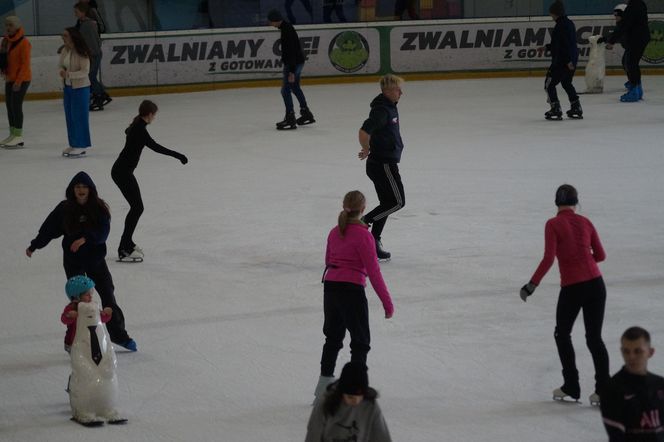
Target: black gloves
pixel 183 159
pixel 527 290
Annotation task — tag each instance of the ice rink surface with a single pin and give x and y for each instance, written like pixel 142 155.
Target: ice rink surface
pixel 227 307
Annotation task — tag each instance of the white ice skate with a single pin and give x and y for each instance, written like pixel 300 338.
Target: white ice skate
pixel 560 395
pixel 74 152
pixel 321 387
pixel 134 256
pixel 14 142
pixel 594 399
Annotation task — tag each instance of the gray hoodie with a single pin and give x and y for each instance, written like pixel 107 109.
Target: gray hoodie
pixel 362 423
pixel 90 34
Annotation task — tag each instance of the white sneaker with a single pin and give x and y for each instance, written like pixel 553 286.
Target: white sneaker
pixel 13 143
pixel 594 399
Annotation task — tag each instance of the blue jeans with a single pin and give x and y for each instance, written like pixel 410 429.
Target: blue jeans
pixel 77 114
pixel 294 87
pixel 96 86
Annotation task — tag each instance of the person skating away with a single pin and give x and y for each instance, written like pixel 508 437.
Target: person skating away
pixel 348 411
pixel 15 50
pixel 122 173
pixel 564 58
pixel 633 33
pixel 573 240
pixel 84 221
pixel 350 257
pixel 79 288
pixel 293 59
pixel 381 143
pixel 633 401
pixel 74 72
pixel 90 32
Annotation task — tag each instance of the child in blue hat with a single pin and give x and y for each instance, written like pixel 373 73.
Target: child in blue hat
pixel 78 289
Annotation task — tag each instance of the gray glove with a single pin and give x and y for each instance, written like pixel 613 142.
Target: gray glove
pixel 527 290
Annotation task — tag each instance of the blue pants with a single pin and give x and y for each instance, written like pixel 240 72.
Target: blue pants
pixel 294 87
pixel 77 114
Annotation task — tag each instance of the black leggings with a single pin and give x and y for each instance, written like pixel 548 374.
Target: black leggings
pixel 391 196
pixel 132 193
pixel 14 102
pixel 591 297
pixel 101 276
pixel 561 75
pixel 345 307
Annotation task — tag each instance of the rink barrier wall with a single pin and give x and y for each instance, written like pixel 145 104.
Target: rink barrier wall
pixel 204 60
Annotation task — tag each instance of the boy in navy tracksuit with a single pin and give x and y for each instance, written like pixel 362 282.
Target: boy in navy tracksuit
pixel 564 57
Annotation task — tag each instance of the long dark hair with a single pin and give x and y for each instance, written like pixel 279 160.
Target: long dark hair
pixel 146 108
pixel 79 44
pixel 88 215
pixel 334 396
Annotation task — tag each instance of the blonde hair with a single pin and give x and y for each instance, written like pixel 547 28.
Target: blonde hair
pixel 390 80
pixel 14 20
pixel 354 203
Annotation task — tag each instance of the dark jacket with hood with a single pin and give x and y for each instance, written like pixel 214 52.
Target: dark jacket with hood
pixel 73 221
pixel 383 127
pixel 291 50
pixel 563 43
pixel 632 30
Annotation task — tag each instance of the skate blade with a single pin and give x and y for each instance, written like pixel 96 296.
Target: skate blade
pixel 575 118
pixel 69 155
pixel 566 399
pixel 304 123
pixel 385 259
pixel 18 146
pixel 594 404
pixel 553 118
pixel 129 260
pixel 287 128
pixel 88 424
pixel 121 421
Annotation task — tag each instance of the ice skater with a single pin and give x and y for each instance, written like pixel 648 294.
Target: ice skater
pixel 381 143
pixel 573 239
pixel 349 258
pixel 122 173
pixel 293 58
pixel 564 58
pixel 633 33
pixel 633 403
pixel 84 221
pixel 349 410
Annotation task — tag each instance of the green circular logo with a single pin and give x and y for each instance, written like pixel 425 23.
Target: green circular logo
pixel 654 52
pixel 348 52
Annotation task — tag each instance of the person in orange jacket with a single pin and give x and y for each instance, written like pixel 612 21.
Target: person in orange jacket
pixel 15 66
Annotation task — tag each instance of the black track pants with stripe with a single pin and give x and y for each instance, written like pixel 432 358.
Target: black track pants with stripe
pixel 389 188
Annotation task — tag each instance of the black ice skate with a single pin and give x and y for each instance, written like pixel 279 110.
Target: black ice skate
pixel 97 104
pixel 555 113
pixel 105 99
pixel 306 117
pixel 288 122
pixel 382 254
pixel 576 113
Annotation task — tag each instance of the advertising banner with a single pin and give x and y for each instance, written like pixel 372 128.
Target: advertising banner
pixel 495 46
pixel 180 59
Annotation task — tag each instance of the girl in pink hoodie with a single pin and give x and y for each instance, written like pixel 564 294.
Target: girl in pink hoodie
pixel 350 257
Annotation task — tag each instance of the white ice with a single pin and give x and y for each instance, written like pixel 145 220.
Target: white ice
pixel 227 307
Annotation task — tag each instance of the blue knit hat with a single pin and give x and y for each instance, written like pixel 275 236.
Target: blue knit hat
pixel 77 285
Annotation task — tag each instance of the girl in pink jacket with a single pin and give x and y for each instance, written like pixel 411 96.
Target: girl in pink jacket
pixel 350 257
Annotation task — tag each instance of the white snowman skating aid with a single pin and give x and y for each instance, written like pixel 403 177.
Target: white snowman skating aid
pixel 93 385
pixel 596 67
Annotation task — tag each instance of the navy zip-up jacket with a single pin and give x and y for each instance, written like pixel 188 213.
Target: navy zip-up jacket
pixel 291 50
pixel 383 127
pixel 632 30
pixel 563 43
pixel 94 249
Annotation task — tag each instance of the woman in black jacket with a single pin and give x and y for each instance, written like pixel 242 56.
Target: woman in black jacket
pixel 123 175
pixel 84 220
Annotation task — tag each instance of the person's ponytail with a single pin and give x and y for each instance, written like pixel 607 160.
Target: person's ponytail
pixel 354 203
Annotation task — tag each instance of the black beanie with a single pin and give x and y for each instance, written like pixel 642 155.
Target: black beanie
pixel 354 379
pixel 274 15
pixel 557 8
